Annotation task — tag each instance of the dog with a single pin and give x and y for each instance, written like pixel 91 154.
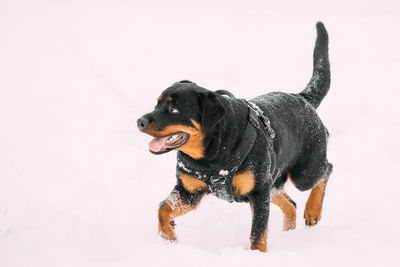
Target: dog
pixel 244 150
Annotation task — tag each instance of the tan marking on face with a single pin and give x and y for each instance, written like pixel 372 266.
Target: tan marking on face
pixel 194 146
pixel 261 244
pixel 168 211
pixel 243 182
pixel 169 98
pixel 159 98
pixel 192 184
pixel 288 209
pixel 313 210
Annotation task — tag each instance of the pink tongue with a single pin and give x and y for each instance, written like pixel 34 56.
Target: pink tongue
pixel 157 144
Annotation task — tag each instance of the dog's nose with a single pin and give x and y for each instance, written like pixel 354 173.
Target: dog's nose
pixel 142 123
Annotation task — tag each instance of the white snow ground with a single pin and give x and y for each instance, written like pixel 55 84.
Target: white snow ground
pixel 78 186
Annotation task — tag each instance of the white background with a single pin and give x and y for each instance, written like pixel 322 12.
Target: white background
pixel 78 186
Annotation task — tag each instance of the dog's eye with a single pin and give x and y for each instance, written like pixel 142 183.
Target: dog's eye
pixel 173 109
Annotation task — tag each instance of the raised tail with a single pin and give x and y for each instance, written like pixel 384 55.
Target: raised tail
pixel 318 86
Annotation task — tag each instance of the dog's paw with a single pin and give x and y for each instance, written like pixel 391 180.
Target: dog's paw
pixel 260 244
pixel 166 223
pixel 166 231
pixel 289 224
pixel 312 214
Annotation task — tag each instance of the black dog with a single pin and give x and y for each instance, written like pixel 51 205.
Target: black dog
pixel 243 150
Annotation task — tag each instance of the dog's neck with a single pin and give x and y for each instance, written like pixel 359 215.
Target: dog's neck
pixel 222 140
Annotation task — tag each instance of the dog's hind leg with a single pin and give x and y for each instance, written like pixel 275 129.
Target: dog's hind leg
pixel 288 207
pixel 313 210
pixel 312 172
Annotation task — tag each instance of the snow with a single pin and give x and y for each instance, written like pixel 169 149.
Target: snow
pixel 223 172
pixel 78 186
pixel 181 165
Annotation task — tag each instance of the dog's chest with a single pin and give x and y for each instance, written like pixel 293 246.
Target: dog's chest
pixel 228 185
pixel 219 183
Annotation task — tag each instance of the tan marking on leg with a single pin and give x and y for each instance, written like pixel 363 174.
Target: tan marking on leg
pixel 165 222
pixel 170 209
pixel 288 209
pixel 261 244
pixel 192 184
pixel 243 182
pixel 313 210
pixel 194 147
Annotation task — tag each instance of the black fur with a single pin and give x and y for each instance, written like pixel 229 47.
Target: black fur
pixel 320 81
pixel 299 147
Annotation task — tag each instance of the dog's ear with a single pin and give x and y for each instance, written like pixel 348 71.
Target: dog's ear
pixel 212 110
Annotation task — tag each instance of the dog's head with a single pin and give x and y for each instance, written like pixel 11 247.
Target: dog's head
pixel 185 113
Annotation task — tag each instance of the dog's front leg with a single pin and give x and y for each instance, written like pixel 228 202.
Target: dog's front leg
pixel 260 203
pixel 178 203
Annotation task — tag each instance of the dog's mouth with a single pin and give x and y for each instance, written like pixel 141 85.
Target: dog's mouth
pixel 160 145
